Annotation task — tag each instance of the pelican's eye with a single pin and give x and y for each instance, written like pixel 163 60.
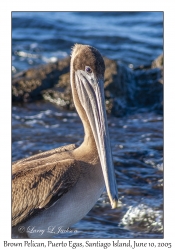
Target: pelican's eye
pixel 88 69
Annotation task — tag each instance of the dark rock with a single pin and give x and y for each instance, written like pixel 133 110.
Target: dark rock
pixel 27 85
pixel 138 88
pixel 126 89
pixel 158 63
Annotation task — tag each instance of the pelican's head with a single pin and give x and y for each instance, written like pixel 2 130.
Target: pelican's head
pixel 87 74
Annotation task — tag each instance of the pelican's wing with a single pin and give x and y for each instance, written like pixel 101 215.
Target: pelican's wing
pixel 47 153
pixel 39 183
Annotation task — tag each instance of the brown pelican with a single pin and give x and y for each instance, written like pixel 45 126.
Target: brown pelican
pixel 57 188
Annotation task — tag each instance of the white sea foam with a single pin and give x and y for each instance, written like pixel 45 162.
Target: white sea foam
pixel 143 217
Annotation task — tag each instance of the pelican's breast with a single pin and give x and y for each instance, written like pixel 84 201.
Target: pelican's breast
pixel 71 207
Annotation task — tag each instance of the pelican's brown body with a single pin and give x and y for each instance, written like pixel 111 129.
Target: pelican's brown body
pixel 58 187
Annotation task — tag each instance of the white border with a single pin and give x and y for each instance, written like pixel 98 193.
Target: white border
pixel 5 97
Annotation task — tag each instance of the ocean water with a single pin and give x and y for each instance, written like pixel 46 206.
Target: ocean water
pixel 136 139
pixel 131 37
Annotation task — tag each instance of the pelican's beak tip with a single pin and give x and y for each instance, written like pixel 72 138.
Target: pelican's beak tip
pixel 114 204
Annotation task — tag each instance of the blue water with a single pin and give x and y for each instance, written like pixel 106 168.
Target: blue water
pixel 137 139
pixel 131 37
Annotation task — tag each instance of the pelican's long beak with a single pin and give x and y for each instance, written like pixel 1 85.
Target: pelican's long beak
pixel 90 91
